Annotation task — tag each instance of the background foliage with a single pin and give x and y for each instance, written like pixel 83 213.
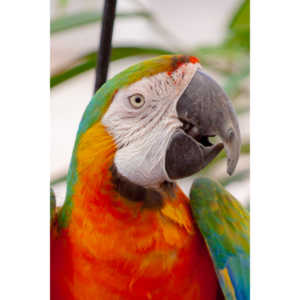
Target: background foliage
pixel 228 61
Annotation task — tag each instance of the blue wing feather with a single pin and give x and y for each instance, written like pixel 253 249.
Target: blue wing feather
pixel 224 224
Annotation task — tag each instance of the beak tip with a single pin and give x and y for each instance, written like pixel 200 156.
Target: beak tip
pixel 229 171
pixel 231 165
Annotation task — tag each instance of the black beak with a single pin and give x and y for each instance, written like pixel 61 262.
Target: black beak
pixel 205 111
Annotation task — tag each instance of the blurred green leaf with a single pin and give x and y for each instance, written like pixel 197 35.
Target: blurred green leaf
pixel 240 38
pixel 219 50
pixel 239 27
pixel 233 83
pixel 237 177
pixel 241 19
pixel 87 17
pixel 87 62
pixel 237 41
pixel 63 3
pixel 224 59
pixel 58 180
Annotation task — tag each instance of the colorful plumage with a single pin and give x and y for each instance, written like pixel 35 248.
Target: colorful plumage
pixel 126 230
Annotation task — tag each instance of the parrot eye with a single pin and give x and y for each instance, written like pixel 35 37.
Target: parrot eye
pixel 137 100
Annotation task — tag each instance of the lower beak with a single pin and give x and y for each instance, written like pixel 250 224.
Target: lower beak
pixel 205 111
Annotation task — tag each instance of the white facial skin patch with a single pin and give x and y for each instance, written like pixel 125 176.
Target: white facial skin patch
pixel 142 130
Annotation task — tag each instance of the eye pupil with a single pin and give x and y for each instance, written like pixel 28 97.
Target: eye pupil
pixel 137 100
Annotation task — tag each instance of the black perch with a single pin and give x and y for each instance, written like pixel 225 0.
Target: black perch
pixel 104 51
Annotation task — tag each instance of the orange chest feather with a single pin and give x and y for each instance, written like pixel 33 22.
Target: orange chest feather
pixel 114 248
pixel 146 255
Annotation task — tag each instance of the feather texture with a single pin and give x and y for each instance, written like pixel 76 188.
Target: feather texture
pixel 106 246
pixel 101 102
pixel 224 224
pixel 113 248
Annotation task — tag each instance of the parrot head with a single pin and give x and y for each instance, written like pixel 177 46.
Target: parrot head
pixel 160 115
pixel 161 123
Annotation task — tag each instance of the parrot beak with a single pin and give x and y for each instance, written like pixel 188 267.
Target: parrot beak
pixel 205 111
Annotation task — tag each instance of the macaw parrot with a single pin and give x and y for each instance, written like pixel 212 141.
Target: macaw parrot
pixel 126 230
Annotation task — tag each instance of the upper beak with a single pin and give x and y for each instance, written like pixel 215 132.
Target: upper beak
pixel 205 111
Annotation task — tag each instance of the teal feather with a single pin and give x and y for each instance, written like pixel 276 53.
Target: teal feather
pixel 224 224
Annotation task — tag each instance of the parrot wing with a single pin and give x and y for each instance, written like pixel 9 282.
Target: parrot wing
pixel 224 224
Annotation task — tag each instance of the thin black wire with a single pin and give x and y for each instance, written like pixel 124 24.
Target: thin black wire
pixel 104 51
